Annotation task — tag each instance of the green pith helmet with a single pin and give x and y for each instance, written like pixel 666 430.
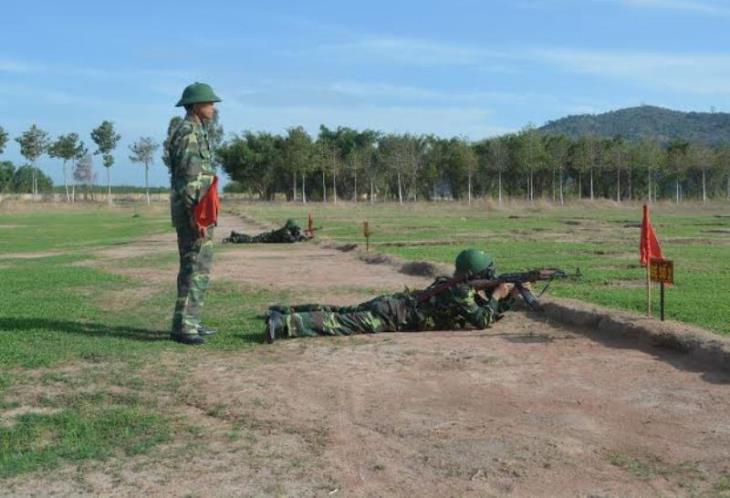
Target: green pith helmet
pixel 291 224
pixel 472 262
pixel 197 93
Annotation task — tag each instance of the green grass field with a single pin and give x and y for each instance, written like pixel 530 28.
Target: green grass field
pixel 84 351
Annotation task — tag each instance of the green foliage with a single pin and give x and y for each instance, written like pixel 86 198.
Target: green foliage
pixel 7 170
pixel 22 180
pixel 646 122
pixel 33 143
pixel 3 139
pixel 106 140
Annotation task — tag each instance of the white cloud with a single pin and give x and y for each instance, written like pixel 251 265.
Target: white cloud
pixel 690 73
pixel 702 7
pixel 19 67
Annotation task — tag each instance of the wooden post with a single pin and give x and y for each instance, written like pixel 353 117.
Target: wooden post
pixel 661 299
pixel 648 288
pixel 366 233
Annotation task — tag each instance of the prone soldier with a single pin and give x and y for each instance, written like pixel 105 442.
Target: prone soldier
pixel 458 306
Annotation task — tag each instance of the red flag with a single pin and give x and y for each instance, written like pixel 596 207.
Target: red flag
pixel 649 245
pixel 206 210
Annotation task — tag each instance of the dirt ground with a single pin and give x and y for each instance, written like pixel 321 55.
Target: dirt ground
pixel 526 408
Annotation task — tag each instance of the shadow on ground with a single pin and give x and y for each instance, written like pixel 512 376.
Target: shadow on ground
pixel 82 328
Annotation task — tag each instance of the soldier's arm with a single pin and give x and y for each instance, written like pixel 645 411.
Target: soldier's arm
pixel 189 167
pixel 480 316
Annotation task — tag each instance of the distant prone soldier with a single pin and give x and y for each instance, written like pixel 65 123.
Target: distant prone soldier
pixel 291 232
pixel 449 303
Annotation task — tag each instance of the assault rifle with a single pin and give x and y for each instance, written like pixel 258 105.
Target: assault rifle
pixel 517 279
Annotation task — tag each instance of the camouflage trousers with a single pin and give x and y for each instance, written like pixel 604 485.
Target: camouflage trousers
pixel 196 258
pixel 383 314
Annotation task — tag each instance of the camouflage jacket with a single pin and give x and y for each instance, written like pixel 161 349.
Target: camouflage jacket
pixel 460 306
pixel 191 168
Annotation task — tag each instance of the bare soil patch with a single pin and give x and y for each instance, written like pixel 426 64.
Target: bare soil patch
pixel 527 408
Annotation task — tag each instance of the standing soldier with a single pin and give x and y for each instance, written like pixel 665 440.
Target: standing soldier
pixel 193 205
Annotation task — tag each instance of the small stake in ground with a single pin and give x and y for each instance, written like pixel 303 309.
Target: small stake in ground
pixel 662 271
pixel 366 233
pixel 309 231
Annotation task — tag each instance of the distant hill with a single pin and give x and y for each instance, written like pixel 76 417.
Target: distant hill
pixel 646 122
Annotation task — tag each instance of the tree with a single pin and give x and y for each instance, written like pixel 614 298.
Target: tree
pixel 7 171
pixel 530 154
pixel 33 144
pixel 558 149
pixel 676 161
pixel 298 156
pixel 3 139
pixel 701 157
pixel 26 176
pixel 84 174
pixel 252 160
pixel 722 163
pixel 68 148
pixel 106 140
pixel 617 156
pixel 143 152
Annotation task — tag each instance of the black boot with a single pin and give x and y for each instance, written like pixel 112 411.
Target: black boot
pixel 274 326
pixel 189 339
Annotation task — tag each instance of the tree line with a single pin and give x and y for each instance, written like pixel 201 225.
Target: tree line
pixel 71 151
pixel 369 165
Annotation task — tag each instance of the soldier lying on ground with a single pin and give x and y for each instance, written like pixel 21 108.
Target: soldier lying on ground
pixel 289 233
pixel 456 307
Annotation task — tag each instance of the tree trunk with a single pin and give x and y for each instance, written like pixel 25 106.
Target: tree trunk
pixel 34 181
pixel 580 186
pixel 334 182
pixel 553 185
pixel 677 185
pixel 73 194
pixel 304 189
pixel 355 173
pixel 618 185
pixel 648 187
pixel 294 187
pixel 400 190
pixel 469 189
pixel 324 187
pixel 532 188
pixel 704 186
pixel 65 181
pixel 147 181
pixel 372 190
pixel 499 181
pixel 631 194
pixel 560 186
pixel 109 184
pixel 591 181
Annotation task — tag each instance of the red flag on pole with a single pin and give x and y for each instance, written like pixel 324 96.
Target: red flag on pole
pixel 649 244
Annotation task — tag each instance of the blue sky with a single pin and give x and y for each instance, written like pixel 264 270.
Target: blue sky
pixel 469 68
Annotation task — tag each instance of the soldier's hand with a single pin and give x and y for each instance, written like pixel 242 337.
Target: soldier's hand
pixel 516 292
pixel 502 291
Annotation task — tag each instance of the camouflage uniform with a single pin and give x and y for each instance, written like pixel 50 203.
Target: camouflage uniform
pixel 283 235
pixel 192 172
pixel 459 307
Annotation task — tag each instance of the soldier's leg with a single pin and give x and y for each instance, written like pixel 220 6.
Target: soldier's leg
pixel 196 257
pixel 303 308
pixel 238 238
pixel 328 323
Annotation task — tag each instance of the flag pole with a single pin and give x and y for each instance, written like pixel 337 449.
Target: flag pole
pixel 648 289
